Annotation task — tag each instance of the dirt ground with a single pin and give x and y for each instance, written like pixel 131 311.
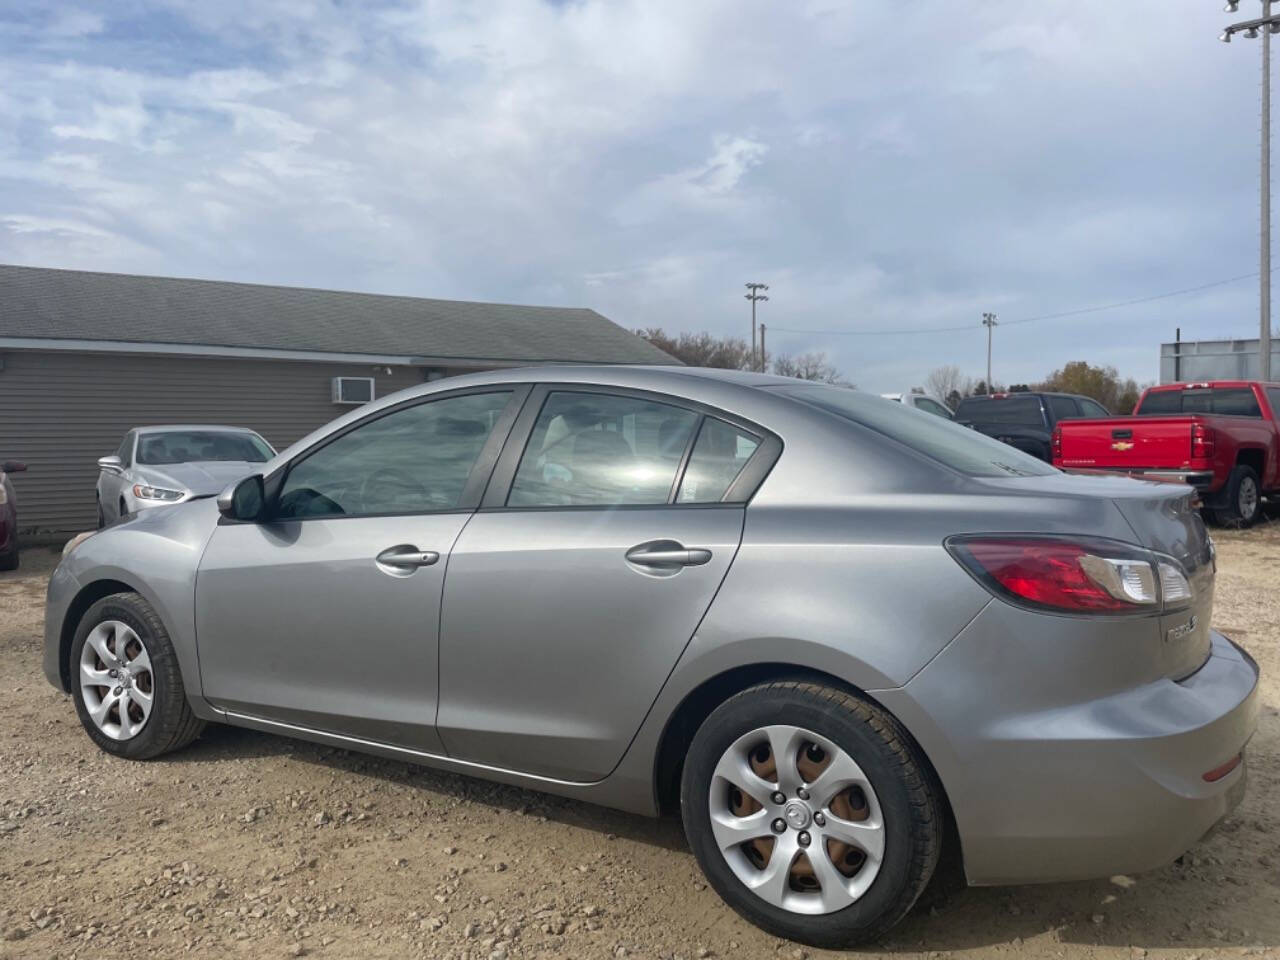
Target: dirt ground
pixel 249 845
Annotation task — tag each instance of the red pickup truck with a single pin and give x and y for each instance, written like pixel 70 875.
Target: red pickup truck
pixel 1221 437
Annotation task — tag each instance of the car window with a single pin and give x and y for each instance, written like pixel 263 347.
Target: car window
pixel 413 460
pixel 1236 402
pixel 1273 397
pixel 1091 408
pixel 931 406
pixel 1063 408
pixel 592 449
pixel 719 454
pixel 125 453
pixel 952 444
pixel 201 446
pixel 1019 411
pixel 1158 402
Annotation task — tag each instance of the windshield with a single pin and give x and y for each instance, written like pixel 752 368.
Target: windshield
pixel 188 446
pixel 960 448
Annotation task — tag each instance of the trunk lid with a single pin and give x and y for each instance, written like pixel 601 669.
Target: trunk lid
pixel 1126 442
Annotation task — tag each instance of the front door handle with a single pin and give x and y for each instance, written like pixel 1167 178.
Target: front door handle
pixel 404 559
pixel 668 554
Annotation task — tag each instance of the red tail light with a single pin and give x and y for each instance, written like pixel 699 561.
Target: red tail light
pixel 1076 576
pixel 1056 441
pixel 1201 442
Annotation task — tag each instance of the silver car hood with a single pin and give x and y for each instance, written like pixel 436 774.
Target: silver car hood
pixel 202 477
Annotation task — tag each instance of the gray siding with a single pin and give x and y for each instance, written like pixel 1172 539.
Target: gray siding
pixel 60 411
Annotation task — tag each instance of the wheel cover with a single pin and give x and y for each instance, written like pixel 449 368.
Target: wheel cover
pixel 116 681
pixel 1247 499
pixel 796 820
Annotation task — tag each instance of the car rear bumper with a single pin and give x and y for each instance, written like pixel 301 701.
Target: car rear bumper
pixel 1114 785
pixel 1200 479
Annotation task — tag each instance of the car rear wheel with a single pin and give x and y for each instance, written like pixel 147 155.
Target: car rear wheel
pixel 1243 500
pixel 11 560
pixel 126 681
pixel 811 812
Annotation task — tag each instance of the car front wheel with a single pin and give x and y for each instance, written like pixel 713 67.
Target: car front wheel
pixel 126 681
pixel 811 812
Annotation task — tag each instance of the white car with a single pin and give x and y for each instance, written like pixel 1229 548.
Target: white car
pixel 159 465
pixel 922 402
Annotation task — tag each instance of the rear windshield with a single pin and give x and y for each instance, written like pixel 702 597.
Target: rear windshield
pixel 190 446
pixel 1023 411
pixel 1225 401
pixel 959 448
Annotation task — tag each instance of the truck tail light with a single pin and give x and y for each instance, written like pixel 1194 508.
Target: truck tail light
pixel 1070 575
pixel 1201 442
pixel 1055 442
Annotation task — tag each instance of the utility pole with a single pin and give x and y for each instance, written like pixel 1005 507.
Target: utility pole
pixel 989 321
pixel 1267 25
pixel 754 295
pixel 764 357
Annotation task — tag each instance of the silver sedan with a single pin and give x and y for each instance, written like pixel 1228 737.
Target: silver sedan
pixel 844 638
pixel 158 465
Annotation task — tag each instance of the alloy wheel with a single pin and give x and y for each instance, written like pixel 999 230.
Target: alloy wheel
pixel 116 680
pixel 1247 498
pixel 796 820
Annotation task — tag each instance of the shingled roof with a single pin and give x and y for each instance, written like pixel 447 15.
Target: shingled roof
pixel 44 303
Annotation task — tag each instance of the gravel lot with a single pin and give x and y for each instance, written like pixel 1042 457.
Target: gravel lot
pixel 248 845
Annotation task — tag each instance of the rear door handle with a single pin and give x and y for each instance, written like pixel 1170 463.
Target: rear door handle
pixel 669 554
pixel 404 559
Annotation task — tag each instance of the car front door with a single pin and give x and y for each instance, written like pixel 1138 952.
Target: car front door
pixel 325 616
pixel 603 538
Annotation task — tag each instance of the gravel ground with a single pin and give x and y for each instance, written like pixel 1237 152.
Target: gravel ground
pixel 248 845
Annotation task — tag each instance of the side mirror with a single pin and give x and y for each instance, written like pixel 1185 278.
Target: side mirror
pixel 13 466
pixel 112 463
pixel 243 500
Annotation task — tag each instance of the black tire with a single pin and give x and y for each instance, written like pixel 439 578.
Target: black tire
pixel 11 560
pixel 171 724
pixel 1242 499
pixel 905 787
pixel 124 508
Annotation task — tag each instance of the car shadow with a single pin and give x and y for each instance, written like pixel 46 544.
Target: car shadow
pixel 1199 903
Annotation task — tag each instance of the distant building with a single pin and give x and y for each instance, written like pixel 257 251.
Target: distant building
pixel 86 356
pixel 1214 360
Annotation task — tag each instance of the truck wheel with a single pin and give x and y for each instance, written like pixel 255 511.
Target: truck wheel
pixel 1243 502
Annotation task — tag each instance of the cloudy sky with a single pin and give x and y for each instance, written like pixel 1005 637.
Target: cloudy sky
pixel 883 166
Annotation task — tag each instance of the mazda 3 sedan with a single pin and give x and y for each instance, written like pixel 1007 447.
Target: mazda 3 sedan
pixel 835 633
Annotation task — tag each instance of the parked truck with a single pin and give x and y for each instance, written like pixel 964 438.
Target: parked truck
pixel 1220 436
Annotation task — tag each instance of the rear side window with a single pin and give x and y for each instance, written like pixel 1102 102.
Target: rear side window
pixel 929 406
pixel 719 454
pixel 951 444
pixel 1063 408
pixel 1018 411
pixel 1236 402
pixel 1091 408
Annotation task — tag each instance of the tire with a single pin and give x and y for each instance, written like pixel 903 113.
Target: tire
pixel 124 509
pixel 902 803
pixel 1243 500
pixel 10 560
pixel 168 724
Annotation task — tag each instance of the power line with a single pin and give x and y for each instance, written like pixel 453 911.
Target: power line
pixel 1047 316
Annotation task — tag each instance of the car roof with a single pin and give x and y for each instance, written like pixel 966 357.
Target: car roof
pixel 1209 385
pixel 207 427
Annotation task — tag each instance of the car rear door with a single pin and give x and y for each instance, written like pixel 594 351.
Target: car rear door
pixel 325 616
pixel 610 523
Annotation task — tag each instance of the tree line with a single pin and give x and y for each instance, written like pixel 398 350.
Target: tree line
pixel 734 353
pixel 1101 383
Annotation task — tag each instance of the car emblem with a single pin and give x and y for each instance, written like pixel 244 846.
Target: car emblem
pixel 1122 445
pixel 1180 631
pixel 797 814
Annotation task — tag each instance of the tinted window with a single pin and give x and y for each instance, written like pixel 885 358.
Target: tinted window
pixel 590 449
pixel 720 453
pixel 413 460
pixel 1236 402
pixel 1022 411
pixel 125 453
pixel 949 443
pixel 1273 397
pixel 1160 402
pixel 1091 408
pixel 930 406
pixel 191 446
pixel 1063 408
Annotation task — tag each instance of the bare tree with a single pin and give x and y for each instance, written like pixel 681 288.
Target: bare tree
pixel 944 382
pixel 807 366
pixel 701 349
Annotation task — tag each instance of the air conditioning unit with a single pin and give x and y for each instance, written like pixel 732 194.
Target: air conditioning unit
pixel 352 390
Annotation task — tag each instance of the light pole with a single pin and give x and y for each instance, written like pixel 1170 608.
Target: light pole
pixel 754 295
pixel 989 321
pixel 1266 25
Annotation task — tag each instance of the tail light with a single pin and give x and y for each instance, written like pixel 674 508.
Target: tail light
pixel 1055 441
pixel 1201 442
pixel 1073 576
